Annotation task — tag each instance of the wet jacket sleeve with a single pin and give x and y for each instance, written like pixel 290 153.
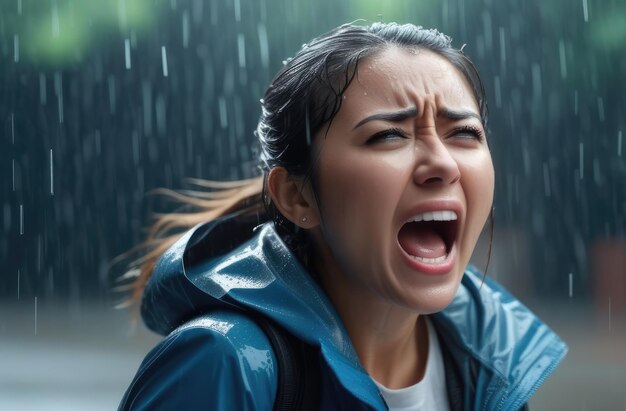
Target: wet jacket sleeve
pixel 217 362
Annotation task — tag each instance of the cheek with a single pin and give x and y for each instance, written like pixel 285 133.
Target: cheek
pixel 357 188
pixel 358 184
pixel 478 185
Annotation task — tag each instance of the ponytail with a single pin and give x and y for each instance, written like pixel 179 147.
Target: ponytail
pixel 215 199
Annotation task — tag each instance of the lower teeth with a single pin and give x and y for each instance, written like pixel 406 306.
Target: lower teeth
pixel 431 260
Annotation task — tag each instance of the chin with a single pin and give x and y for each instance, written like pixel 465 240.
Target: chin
pixel 433 297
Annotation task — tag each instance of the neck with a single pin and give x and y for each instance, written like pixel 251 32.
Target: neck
pixel 390 341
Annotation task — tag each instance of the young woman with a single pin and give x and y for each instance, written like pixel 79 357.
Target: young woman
pixel 377 181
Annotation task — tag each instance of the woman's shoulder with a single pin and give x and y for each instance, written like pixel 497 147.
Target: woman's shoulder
pixel 220 360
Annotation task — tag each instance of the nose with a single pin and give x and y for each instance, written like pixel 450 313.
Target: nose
pixel 435 165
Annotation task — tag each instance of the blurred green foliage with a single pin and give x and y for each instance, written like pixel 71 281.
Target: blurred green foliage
pixel 60 32
pixel 610 31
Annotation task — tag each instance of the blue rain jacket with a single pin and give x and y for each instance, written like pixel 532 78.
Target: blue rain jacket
pixel 215 357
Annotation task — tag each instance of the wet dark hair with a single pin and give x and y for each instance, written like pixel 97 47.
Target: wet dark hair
pixel 307 92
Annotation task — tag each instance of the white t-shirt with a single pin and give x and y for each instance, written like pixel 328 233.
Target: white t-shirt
pixel 428 394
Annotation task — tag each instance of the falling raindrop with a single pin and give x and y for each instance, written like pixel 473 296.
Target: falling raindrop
pixel 16 48
pixel 562 59
pixel 58 90
pixel 536 76
pixel 502 48
pixel 601 109
pixel 223 112
pixel 185 28
pixel 546 180
pixel 619 143
pixel 51 174
pixel 241 50
pixel 21 219
pixel 35 315
pixel 112 96
pixel 585 11
pixel 164 60
pixel 19 7
pixel 237 11
pixel 127 53
pixel 263 45
pixel 43 95
pixel 12 128
pixel 581 155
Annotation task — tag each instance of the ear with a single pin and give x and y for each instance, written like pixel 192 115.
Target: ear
pixel 293 198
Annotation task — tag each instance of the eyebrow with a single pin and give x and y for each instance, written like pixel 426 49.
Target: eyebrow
pixel 394 116
pixel 458 114
pixel 398 116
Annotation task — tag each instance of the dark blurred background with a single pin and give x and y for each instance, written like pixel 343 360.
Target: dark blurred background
pixel 104 101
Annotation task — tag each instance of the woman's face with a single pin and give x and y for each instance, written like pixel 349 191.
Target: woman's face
pixel 407 144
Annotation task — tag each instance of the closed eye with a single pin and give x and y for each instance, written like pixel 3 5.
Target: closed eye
pixel 468 132
pixel 387 135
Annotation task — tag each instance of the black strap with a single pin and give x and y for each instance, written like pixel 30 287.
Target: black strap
pixel 298 369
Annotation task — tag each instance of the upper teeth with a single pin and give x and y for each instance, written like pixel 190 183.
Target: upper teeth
pixel 434 216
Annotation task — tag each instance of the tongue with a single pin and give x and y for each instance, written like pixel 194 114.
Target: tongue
pixel 421 241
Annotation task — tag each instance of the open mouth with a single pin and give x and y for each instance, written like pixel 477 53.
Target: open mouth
pixel 429 237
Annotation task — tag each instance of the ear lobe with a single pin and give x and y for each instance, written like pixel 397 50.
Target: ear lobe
pixel 292 198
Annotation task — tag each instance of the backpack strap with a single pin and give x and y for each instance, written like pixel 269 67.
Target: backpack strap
pixel 298 369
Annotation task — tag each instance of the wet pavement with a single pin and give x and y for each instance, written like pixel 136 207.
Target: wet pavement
pixel 70 357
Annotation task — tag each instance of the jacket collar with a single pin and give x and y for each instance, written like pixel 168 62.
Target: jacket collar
pixel 515 349
pixel 261 274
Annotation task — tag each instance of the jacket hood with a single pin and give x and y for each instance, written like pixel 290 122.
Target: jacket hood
pixel 235 263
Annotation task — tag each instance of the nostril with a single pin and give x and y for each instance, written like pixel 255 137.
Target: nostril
pixel 433 180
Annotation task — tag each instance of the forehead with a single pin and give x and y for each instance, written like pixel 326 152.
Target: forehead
pixel 401 78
